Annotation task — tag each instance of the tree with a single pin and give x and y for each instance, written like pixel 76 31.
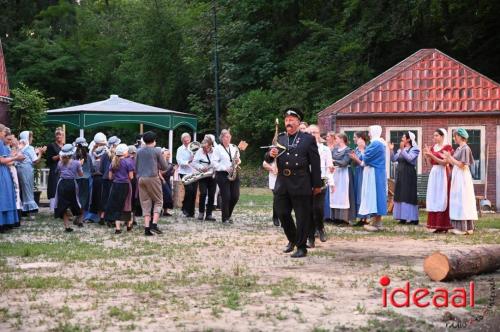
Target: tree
pixel 28 111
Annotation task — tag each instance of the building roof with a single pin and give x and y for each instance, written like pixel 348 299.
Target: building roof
pixel 428 81
pixel 117 110
pixel 4 84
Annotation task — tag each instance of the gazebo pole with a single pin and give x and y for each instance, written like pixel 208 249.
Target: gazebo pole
pixel 82 132
pixel 141 128
pixel 171 143
pixel 194 136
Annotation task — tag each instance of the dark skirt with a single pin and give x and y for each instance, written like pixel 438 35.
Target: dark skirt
pixel 52 182
pixel 406 183
pixel 168 202
pixel 84 192
pixel 136 203
pixel 67 198
pixel 96 203
pixel 106 188
pixel 115 207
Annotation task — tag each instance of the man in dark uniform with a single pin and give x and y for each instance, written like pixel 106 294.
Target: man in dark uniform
pixel 299 177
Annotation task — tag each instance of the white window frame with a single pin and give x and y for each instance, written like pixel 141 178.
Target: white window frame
pixel 419 143
pixel 482 155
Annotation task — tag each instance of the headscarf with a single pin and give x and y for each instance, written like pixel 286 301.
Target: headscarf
pixel 24 137
pixel 375 132
pixel 462 133
pixel 412 137
pixel 438 147
pixel 67 150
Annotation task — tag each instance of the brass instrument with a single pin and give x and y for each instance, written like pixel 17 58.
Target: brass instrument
pixel 198 175
pixel 194 146
pixel 233 172
pixel 275 143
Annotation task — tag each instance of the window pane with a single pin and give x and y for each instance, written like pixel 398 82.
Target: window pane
pixel 474 142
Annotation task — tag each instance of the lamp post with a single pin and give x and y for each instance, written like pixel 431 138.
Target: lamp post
pixel 216 72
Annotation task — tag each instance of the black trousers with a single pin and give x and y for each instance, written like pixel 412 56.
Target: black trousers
pixel 188 204
pixel 230 194
pixel 318 205
pixel 302 206
pixel 275 215
pixel 207 188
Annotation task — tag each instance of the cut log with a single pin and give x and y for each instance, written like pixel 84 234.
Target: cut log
pixel 462 263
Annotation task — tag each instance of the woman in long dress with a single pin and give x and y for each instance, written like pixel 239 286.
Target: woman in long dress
pixel 463 211
pixel 374 187
pixel 342 199
pixel 405 193
pixel 52 159
pixel 25 172
pixel 360 138
pixel 8 211
pixel 327 212
pixel 438 187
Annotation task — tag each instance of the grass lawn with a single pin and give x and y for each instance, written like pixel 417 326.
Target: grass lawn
pixel 208 276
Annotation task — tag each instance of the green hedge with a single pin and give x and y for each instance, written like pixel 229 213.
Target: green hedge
pixel 253 176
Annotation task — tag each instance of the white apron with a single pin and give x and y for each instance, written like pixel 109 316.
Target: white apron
pixel 368 192
pixel 437 190
pixel 462 197
pixel 340 197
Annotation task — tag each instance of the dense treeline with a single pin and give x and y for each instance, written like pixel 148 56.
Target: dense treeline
pixel 273 53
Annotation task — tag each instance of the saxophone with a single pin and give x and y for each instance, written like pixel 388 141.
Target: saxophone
pixel 197 175
pixel 191 178
pixel 233 173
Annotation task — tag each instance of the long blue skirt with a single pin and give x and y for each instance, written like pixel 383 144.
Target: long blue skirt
pixel 327 211
pixel 8 212
pixel 27 184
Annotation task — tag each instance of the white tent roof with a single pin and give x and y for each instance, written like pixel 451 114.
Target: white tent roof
pixel 115 104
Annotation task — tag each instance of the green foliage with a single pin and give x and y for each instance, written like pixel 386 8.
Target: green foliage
pixel 272 53
pixel 28 110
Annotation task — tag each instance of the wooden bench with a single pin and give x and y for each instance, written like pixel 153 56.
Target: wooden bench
pixel 422 181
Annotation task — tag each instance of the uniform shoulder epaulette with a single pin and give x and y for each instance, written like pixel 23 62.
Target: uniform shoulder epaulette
pixel 282 133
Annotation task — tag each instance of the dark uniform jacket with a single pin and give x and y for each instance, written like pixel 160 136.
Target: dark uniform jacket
pixel 298 167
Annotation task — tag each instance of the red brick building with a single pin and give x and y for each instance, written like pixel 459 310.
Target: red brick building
pixel 4 89
pixel 426 91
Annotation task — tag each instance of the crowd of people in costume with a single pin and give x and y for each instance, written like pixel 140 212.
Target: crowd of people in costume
pixel 111 183
pixel 356 190
pixel 84 176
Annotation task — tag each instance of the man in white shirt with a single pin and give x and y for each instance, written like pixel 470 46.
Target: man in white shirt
pixel 326 165
pixel 224 155
pixel 184 158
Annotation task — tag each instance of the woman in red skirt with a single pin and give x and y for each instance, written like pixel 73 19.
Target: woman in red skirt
pixel 438 188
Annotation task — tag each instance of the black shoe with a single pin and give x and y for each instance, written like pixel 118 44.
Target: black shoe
pixel 17 224
pixel 289 248
pixel 129 228
pixel 230 221
pixel 200 216
pixel 413 222
pixel 118 231
pixel 276 222
pixel 68 230
pixel 134 223
pixel 310 243
pixel 101 222
pixel 75 220
pixel 156 229
pixel 322 235
pixel 301 252
pixel 109 223
pixel 147 232
pixel 80 224
pixel 209 218
pixel 166 214
pixel 402 222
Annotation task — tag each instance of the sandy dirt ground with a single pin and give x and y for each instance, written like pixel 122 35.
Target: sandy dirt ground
pixel 201 276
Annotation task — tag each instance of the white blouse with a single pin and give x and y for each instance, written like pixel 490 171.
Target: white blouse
pixel 223 157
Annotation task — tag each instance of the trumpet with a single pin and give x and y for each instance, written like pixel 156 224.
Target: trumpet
pixel 275 143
